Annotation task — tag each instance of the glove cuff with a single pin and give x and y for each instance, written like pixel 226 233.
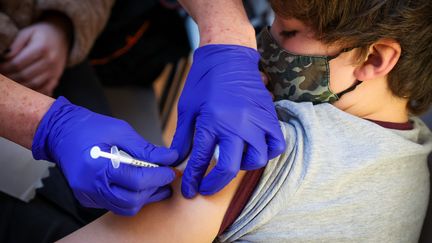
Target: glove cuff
pixel 40 147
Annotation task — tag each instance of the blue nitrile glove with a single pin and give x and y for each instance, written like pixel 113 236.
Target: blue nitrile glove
pixel 66 135
pixel 225 102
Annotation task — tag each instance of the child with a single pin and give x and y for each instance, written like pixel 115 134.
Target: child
pixel 355 164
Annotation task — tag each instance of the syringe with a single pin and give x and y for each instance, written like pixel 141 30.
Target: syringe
pixel 117 157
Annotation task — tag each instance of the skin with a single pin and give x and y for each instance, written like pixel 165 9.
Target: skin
pixel 197 220
pixel 221 22
pixel 38 54
pixel 21 109
pixel 184 218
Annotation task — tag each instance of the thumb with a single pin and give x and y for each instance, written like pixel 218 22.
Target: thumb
pixel 182 140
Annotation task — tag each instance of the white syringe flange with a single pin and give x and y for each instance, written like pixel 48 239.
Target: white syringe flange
pixel 117 157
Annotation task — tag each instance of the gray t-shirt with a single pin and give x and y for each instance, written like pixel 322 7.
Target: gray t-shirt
pixel 340 179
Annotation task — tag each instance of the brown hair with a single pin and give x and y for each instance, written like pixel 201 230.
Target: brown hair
pixel 360 23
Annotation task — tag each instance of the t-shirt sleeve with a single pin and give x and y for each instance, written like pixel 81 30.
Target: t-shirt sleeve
pixel 245 191
pixel 258 190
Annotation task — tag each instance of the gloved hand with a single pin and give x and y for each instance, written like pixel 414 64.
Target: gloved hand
pixel 225 102
pixel 66 135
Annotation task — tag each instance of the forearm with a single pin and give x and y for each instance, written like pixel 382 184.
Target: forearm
pixel 221 22
pixel 21 109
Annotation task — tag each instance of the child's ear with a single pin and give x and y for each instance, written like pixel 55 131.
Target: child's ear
pixel 382 57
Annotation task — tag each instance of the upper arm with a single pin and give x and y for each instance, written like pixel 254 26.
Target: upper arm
pixel 173 220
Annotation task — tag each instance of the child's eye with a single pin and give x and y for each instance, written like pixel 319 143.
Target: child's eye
pixel 288 34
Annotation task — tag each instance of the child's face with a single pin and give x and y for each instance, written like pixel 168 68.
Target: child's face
pixel 302 68
pixel 295 37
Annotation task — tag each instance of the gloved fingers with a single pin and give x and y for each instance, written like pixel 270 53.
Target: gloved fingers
pixel 162 156
pixel 160 194
pixel 150 196
pixel 139 178
pixel 273 135
pixel 86 200
pixel 182 140
pixel 202 152
pixel 275 142
pixel 124 198
pixel 227 167
pixel 125 211
pixel 136 200
pixel 255 156
pixel 125 202
pixel 139 148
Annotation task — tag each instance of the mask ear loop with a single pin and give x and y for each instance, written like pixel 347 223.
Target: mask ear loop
pixel 329 58
pixel 353 87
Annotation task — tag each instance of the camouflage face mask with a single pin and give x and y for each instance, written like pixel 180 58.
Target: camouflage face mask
pixel 296 77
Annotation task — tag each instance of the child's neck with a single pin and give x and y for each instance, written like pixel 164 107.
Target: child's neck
pixel 373 100
pixel 390 113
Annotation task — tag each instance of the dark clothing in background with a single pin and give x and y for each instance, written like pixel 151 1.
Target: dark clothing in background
pixel 140 39
pixel 82 87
